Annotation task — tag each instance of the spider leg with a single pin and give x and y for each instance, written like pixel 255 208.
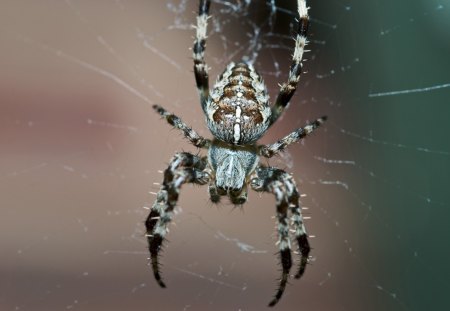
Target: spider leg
pixel 239 197
pixel 214 194
pixel 282 185
pixel 288 89
pixel 297 222
pixel 189 133
pixel 183 168
pixel 200 67
pixel 270 150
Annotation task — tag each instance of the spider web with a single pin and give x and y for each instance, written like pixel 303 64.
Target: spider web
pixel 82 152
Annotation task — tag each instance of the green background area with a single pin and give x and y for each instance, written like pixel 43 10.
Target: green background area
pixel 399 96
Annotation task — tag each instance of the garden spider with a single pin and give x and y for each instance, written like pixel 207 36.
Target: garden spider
pixel 237 113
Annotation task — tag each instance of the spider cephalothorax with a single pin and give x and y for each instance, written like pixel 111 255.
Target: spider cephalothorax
pixel 238 113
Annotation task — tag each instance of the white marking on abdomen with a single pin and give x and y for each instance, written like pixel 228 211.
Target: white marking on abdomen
pixel 238 113
pixel 237 133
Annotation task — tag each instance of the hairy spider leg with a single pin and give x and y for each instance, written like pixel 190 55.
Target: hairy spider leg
pixel 270 150
pixel 238 197
pixel 189 133
pixel 282 185
pixel 214 194
pixel 198 51
pixel 288 89
pixel 183 168
pixel 297 223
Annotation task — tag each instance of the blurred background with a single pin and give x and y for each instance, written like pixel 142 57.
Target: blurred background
pixel 80 151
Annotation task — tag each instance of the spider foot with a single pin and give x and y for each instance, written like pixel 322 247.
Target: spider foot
pixel 304 250
pixel 286 263
pixel 155 243
pixel 156 273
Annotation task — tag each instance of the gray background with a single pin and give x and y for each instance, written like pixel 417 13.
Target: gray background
pixel 80 149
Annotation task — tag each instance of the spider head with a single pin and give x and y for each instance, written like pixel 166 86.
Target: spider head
pixel 237 111
pixel 232 165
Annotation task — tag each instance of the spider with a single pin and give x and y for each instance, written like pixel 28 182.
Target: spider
pixel 237 113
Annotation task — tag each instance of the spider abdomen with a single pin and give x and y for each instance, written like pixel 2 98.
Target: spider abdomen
pixel 238 107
